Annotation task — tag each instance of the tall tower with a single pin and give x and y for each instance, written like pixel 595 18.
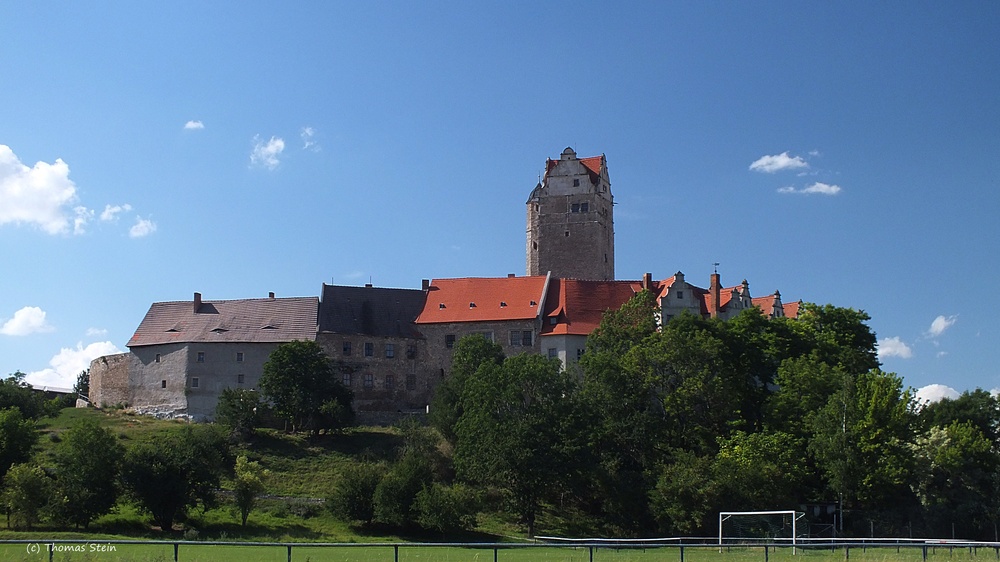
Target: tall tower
pixel 571 229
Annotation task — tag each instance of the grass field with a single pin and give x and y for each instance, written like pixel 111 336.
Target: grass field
pixel 97 551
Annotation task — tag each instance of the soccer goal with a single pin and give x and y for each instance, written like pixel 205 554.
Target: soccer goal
pixel 737 527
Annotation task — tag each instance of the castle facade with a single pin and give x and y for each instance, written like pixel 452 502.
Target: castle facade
pixel 398 342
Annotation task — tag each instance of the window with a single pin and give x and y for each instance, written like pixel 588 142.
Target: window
pixel 680 294
pixel 157 358
pixel 163 384
pixel 449 341
pixel 346 379
pixel 194 382
pixel 411 382
pixel 576 183
pixel 411 351
pixel 240 379
pixel 487 335
pixel 526 338
pixel 239 356
pixel 347 348
pixel 515 337
pixel 579 353
pixel 553 353
pixel 369 349
pixel 201 356
pixel 390 351
pixel 575 208
pixel 369 380
pixel 584 207
pixel 390 380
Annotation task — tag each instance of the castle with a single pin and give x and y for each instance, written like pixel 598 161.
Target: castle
pixel 399 341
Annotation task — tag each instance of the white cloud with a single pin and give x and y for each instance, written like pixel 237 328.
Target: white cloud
pixel 67 364
pixel 28 320
pixel 934 393
pixel 778 162
pixel 940 324
pixel 307 134
pixel 111 212
pixel 42 195
pixel 266 154
pixel 95 332
pixel 894 347
pixel 194 125
pixel 142 227
pixel 818 187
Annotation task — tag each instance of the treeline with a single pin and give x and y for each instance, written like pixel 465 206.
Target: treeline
pixel 660 429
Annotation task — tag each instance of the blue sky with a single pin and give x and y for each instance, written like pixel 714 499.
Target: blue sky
pixel 844 153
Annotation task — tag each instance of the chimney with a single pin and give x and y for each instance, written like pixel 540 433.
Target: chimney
pixel 270 295
pixel 713 307
pixel 647 281
pixel 425 284
pixel 197 302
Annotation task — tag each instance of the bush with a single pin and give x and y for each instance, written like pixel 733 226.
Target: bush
pixel 353 499
pixel 447 508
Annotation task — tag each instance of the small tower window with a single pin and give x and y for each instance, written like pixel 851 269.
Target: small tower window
pixel 584 207
pixel 576 183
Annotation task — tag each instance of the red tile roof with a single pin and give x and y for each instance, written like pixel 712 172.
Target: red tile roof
pixel 592 163
pixel 792 309
pixel 482 299
pixel 765 304
pixel 243 320
pixel 579 305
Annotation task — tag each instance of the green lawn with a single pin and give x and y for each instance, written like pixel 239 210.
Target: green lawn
pixel 416 553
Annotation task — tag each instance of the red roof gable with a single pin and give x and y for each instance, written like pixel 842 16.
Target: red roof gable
pixel 592 163
pixel 482 299
pixel 579 305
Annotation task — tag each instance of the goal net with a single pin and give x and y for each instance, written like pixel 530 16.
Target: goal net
pixel 736 527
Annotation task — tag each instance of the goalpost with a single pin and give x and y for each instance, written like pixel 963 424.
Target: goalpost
pixel 759 525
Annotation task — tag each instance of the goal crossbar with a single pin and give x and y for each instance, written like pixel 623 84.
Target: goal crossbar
pixel 795 515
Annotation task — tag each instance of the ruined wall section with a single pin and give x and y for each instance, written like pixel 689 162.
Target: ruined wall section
pixel 109 382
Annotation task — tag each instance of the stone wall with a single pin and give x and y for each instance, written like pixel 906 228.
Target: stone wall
pixel 109 382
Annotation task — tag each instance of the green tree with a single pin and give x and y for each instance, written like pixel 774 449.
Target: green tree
pixel 514 431
pixel 978 407
pixel 685 497
pixel 353 497
pixel 173 473
pixel 248 483
pixel 239 409
pixel 17 438
pixel 446 406
pixel 88 461
pixel 839 336
pixel 860 440
pixel 446 508
pixel 955 477
pixel 26 492
pixel 759 471
pixel 804 386
pixel 82 386
pixel 301 383
pixel 16 393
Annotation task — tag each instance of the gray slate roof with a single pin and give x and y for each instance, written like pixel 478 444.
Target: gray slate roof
pixel 371 311
pixel 245 320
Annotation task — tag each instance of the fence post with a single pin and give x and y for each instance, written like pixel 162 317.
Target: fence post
pixel 682 553
pixel 591 553
pixel 395 553
pixel 289 553
pixel 847 552
pixel 765 553
pixel 177 546
pixel 925 553
pixel 494 554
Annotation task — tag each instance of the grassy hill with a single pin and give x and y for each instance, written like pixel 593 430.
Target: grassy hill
pixel 302 473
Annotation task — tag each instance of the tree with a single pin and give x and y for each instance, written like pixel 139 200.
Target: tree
pixel 17 438
pixel 88 461
pixel 176 472
pixel 839 337
pixel 16 393
pixel 685 497
pixel 301 383
pixel 446 406
pixel 353 498
pixel 446 508
pixel 239 409
pixel 955 477
pixel 82 386
pixel 248 483
pixel 759 471
pixel 26 492
pixel 860 441
pixel 978 407
pixel 514 432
